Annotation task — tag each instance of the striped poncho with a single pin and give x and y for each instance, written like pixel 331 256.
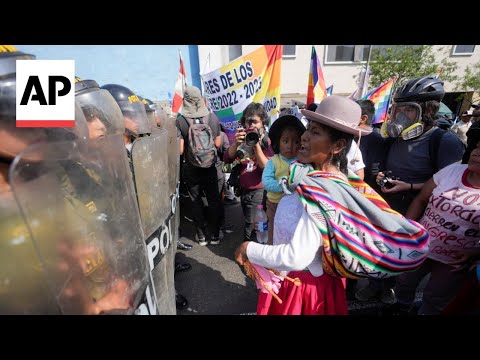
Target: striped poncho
pixel 362 236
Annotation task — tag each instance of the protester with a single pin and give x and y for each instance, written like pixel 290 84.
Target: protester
pixel 416 150
pixel 451 216
pixel 200 178
pixel 297 240
pixel 252 159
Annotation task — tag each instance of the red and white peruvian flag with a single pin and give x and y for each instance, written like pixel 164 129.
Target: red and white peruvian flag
pixel 180 85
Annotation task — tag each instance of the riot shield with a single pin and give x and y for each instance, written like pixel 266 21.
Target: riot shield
pixel 23 282
pixel 93 254
pixel 98 103
pixel 151 174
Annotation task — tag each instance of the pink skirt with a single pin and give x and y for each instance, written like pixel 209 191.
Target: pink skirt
pixel 324 295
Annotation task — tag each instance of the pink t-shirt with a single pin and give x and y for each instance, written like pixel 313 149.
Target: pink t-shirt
pixel 452 216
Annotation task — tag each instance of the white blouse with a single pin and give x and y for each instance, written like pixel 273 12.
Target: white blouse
pixel 296 240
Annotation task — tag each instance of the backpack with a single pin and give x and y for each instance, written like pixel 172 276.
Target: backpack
pixel 201 150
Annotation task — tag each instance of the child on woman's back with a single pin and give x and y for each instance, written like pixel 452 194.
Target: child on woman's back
pixel 285 136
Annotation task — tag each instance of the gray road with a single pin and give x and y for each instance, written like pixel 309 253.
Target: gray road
pixel 216 285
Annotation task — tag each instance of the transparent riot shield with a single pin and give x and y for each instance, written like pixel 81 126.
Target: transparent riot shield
pixel 93 252
pixel 151 174
pixel 23 281
pixel 98 103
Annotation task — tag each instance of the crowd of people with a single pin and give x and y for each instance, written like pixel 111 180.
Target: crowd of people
pixel 344 200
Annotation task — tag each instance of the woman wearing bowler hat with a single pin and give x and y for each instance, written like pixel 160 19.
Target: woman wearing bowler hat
pixel 297 241
pixel 328 211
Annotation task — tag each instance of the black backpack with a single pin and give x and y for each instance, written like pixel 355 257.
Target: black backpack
pixel 201 150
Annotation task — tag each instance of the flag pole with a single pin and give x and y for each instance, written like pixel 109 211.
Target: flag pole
pixel 366 74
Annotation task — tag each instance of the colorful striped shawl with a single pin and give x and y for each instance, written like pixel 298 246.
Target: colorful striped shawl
pixel 362 237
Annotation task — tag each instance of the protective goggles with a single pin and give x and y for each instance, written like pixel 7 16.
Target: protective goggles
pixel 403 112
pixel 404 122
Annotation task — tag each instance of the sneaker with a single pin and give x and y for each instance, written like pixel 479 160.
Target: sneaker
pixel 366 293
pixel 200 238
pixel 388 297
pixel 215 240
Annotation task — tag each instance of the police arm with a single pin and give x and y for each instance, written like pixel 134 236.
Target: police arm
pixel 417 207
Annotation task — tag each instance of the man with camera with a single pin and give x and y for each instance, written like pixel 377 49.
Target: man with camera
pixel 416 150
pixel 252 148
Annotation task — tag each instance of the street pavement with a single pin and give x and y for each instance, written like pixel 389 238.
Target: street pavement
pixel 216 285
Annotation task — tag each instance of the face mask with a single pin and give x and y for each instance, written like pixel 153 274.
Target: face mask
pixel 395 127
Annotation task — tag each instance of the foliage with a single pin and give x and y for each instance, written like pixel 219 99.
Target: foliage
pixel 470 81
pixel 409 62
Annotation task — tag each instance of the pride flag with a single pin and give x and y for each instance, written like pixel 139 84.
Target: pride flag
pixel 254 77
pixel 330 90
pixel 316 84
pixel 381 98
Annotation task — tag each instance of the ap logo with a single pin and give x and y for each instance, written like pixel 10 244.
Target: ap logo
pixel 45 93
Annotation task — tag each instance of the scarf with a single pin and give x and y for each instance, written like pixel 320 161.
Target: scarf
pixel 362 236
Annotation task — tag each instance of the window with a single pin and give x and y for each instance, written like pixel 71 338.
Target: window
pixel 289 51
pixel 234 51
pixel 352 53
pixel 463 49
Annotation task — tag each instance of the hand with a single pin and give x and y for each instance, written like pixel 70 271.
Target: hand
pixel 379 177
pixel 398 186
pixel 241 253
pixel 240 136
pixel 283 182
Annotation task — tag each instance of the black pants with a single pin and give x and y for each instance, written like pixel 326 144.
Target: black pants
pixel 199 181
pixel 250 200
pixel 220 184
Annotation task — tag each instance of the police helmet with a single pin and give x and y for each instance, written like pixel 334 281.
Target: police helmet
pixel 8 82
pixel 124 97
pixel 99 103
pixel 148 109
pixel 420 90
pixel 151 104
pixel 132 108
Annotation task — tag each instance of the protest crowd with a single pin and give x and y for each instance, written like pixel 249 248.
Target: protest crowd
pixel 345 199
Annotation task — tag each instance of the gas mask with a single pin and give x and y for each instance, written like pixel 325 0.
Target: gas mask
pixel 404 122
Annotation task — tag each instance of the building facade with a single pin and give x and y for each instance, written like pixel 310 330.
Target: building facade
pixel 340 64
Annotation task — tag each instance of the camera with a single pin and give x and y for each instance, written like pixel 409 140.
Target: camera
pixel 244 151
pixel 252 136
pixel 385 182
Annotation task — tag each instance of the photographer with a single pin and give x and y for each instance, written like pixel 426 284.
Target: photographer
pixel 417 150
pixel 253 149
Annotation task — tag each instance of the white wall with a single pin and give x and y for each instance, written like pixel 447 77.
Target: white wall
pixel 218 57
pixel 295 70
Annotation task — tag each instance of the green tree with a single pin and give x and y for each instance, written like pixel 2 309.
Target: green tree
pixel 408 62
pixel 470 81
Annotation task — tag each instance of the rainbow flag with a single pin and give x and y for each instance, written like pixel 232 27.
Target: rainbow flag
pixel 316 84
pixel 330 90
pixel 381 98
pixel 254 77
